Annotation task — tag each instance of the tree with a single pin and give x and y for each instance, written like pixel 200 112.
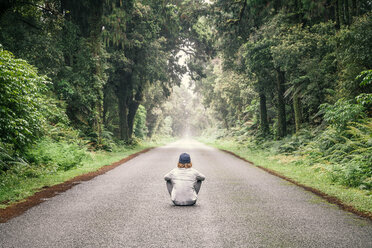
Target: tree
pixel 139 59
pixel 62 39
pixel 258 61
pixel 87 17
pixel 143 39
pixel 155 96
pixel 353 57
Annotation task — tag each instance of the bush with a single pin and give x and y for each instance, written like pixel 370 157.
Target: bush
pixel 342 112
pixel 349 153
pixel 21 118
pixel 61 154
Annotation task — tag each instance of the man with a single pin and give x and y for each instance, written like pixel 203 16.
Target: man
pixel 184 182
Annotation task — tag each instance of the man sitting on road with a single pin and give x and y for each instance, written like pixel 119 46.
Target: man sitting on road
pixel 184 182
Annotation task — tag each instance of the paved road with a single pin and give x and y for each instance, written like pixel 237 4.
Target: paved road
pixel 239 206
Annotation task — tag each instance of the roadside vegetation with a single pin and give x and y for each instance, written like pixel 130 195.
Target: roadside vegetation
pixel 284 82
pixel 38 146
pixel 82 89
pixel 25 179
pixel 290 90
pixel 349 185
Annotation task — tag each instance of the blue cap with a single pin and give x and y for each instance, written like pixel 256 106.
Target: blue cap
pixel 184 158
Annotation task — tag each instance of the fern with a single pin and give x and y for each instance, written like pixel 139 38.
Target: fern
pixel 348 151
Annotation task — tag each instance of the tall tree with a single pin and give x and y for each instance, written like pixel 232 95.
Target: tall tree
pixel 87 16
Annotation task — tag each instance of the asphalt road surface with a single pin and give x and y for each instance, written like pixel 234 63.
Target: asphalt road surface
pixel 239 205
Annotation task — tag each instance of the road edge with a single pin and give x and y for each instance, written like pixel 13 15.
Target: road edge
pixel 328 198
pixel 45 193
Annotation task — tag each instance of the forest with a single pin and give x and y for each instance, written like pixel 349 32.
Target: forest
pixel 289 78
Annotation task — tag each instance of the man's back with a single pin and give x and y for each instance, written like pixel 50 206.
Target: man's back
pixel 184 181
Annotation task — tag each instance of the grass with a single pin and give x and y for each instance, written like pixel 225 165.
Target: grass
pixel 291 167
pixel 16 187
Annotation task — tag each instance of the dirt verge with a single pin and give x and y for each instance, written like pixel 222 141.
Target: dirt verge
pixel 329 198
pixel 48 192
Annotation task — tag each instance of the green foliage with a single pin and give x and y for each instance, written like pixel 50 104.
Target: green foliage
pixel 353 55
pixel 317 176
pixel 155 97
pixel 142 39
pixel 77 85
pixel 21 98
pixel 31 31
pixel 8 159
pixel 298 46
pixel 365 99
pixel 341 113
pixel 22 181
pixel 59 155
pixel 346 155
pixel 166 127
pixel 292 144
pixel 366 77
pixel 280 63
pixel 140 128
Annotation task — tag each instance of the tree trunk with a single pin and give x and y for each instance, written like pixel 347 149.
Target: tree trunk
pixel 277 5
pixel 264 124
pixel 297 110
pixel 353 8
pixel 298 10
pixel 105 107
pixel 347 13
pixel 329 14
pixel 357 8
pixel 98 88
pixel 341 8
pixel 282 125
pixel 123 95
pixel 133 107
pixel 152 125
pixel 337 14
pixel 95 40
pixel 123 119
pixel 226 122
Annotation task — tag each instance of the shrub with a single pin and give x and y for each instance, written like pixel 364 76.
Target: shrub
pixel 61 154
pixel 21 88
pixel 342 112
pixel 349 152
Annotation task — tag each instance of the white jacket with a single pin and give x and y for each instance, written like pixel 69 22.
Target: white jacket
pixel 184 181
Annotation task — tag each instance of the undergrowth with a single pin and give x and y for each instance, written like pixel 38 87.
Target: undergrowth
pixel 340 147
pixel 345 155
pixel 293 166
pixel 50 161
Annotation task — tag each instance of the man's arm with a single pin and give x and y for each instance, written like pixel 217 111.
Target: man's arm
pixel 199 176
pixel 168 176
